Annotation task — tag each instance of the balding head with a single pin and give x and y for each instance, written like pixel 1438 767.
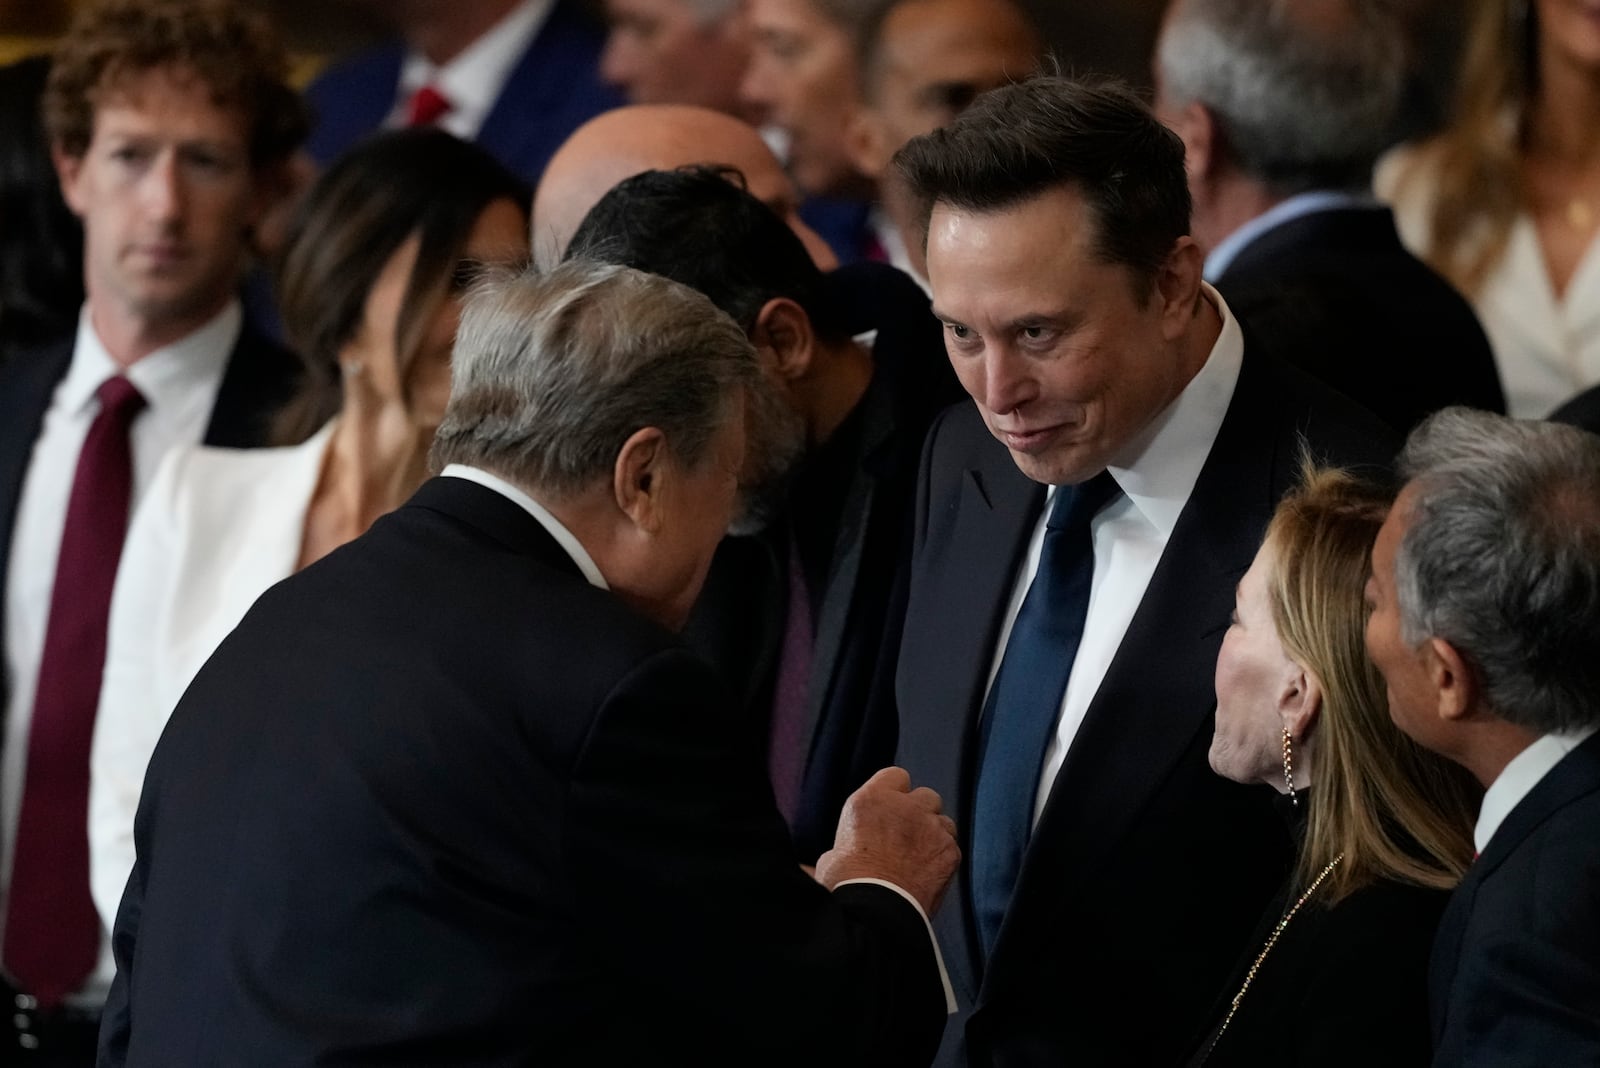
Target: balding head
pixel 629 141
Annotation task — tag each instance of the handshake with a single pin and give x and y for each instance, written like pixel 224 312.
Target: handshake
pixel 891 832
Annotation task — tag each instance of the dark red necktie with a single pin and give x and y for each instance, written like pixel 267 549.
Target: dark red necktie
pixel 52 938
pixel 427 107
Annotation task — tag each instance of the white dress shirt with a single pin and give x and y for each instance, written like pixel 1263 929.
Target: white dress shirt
pixel 1156 473
pixel 1546 347
pixel 1520 776
pixel 586 564
pixel 473 80
pixel 179 384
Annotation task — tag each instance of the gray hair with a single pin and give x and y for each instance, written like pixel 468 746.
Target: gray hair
pixel 553 372
pixel 1305 96
pixel 1501 558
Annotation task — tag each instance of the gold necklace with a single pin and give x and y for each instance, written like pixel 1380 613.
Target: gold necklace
pixel 1272 940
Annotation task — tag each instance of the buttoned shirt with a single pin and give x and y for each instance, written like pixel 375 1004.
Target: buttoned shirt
pixel 473 80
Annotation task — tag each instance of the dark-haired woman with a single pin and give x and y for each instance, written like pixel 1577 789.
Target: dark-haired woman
pixel 371 283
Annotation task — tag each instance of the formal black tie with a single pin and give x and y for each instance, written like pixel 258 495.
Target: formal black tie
pixel 1025 699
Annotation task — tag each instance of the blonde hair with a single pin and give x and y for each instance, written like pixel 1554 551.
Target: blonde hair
pixel 1393 809
pixel 1475 163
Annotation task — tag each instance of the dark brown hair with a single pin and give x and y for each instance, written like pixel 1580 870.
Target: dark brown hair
pixel 1095 137
pixel 420 182
pixel 231 52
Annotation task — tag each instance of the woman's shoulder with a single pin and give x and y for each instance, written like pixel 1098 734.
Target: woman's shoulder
pixel 221 481
pixel 1383 913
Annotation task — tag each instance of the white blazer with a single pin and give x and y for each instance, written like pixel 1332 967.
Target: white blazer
pixel 1547 348
pixel 216 528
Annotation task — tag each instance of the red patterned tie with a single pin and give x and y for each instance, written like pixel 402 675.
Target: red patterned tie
pixel 52 937
pixel 427 107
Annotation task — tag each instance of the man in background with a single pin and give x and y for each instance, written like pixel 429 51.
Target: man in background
pixel 1485 596
pixel 516 76
pixel 677 52
pixel 169 121
pixel 1283 107
pixel 922 63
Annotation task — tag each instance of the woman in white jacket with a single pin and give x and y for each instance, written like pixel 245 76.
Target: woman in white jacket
pixel 370 287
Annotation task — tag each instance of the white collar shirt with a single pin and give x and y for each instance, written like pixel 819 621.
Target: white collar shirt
pixel 179 384
pixel 557 530
pixel 1520 776
pixel 473 80
pixel 1156 473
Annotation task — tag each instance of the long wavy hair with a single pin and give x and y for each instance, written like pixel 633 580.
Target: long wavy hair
pixel 1475 162
pixel 1394 810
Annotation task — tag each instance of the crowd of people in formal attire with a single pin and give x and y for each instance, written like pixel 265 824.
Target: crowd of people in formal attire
pixel 767 532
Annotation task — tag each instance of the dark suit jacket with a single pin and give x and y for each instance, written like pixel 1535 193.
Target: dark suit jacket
pixel 1341 987
pixel 259 379
pixel 1515 977
pixel 1335 293
pixel 1146 872
pixel 553 89
pixel 1582 411
pixel 439 800
pixel 738 622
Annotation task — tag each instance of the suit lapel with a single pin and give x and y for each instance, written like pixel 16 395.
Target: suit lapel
pixel 26 385
pixel 994 518
pixel 259 380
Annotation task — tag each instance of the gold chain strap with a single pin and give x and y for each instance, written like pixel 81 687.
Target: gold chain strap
pixel 1272 940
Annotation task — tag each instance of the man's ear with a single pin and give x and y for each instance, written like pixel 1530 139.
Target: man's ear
pixel 866 143
pixel 1178 287
pixel 784 329
pixel 1197 127
pixel 637 478
pixel 1454 682
pixel 69 169
pixel 1300 700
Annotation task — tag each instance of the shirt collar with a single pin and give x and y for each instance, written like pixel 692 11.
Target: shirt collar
pixel 1158 469
pixel 1520 776
pixel 166 378
pixel 472 81
pixel 564 537
pixel 1228 249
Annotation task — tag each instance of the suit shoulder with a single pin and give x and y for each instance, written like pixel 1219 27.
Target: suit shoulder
pixel 1333 428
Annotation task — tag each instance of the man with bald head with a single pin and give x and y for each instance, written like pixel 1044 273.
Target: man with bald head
pixel 630 141
pixel 921 63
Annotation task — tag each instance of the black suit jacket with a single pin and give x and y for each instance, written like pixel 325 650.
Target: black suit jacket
pixel 738 622
pixel 1515 976
pixel 1335 293
pixel 438 800
pixel 1146 871
pixel 260 377
pixel 1341 987
pixel 1582 411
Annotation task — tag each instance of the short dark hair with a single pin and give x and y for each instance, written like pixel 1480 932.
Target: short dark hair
pixel 697 225
pixel 233 53
pixel 421 182
pixel 1095 137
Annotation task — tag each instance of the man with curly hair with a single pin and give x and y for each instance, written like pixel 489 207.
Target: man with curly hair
pixel 169 123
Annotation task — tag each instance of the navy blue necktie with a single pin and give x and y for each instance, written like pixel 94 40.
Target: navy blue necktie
pixel 1025 699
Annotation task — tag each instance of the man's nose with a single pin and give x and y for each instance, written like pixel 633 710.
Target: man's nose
pixel 1007 383
pixel 162 188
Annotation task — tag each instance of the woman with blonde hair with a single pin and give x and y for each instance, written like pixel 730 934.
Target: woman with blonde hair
pixel 1505 202
pixel 1338 974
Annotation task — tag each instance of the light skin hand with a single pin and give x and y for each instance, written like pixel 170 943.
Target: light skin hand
pixel 891 832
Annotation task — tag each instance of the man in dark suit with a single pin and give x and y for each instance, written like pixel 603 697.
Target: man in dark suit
pixel 455 795
pixel 1283 108
pixel 168 121
pixel 803 615
pixel 1485 595
pixel 516 76
pixel 1085 562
